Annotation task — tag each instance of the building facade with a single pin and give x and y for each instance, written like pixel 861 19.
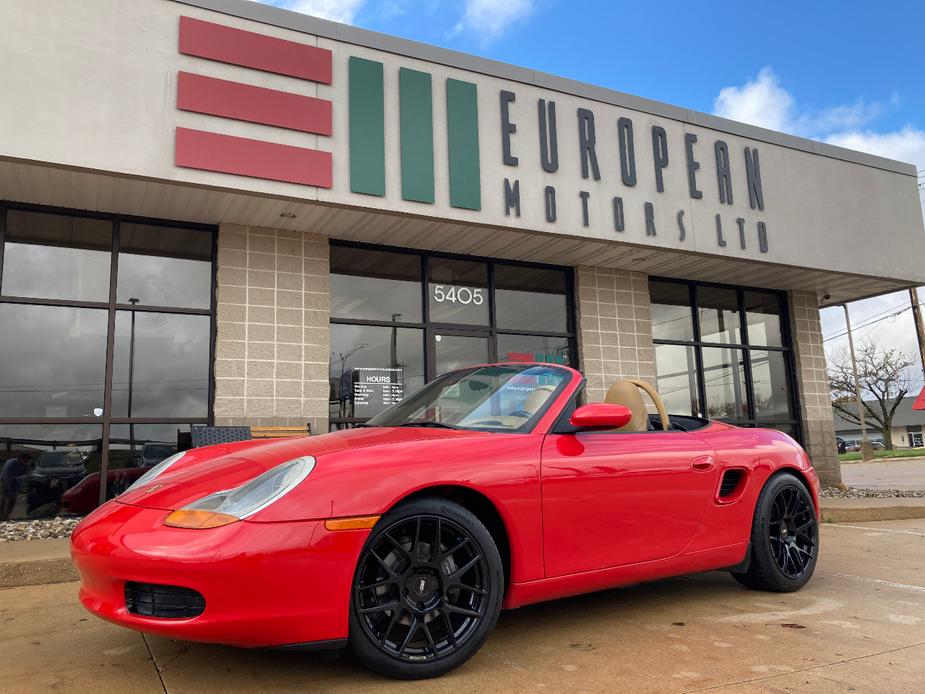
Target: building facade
pixel 218 212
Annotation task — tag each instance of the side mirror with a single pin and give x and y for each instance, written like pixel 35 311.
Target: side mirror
pixel 601 416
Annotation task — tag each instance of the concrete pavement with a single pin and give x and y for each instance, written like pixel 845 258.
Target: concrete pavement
pixel 885 474
pixel 858 626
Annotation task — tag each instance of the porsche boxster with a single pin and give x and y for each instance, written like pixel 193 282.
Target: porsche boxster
pixel 491 487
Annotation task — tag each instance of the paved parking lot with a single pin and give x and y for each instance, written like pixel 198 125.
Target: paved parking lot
pixel 885 474
pixel 858 627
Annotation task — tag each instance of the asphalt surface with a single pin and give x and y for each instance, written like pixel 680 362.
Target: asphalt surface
pixel 859 626
pixel 885 474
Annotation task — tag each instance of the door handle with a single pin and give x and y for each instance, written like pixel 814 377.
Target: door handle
pixel 704 463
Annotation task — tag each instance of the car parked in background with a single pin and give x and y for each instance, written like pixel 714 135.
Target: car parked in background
pixel 54 473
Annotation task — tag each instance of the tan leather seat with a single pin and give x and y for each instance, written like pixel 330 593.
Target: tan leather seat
pixel 537 399
pixel 627 394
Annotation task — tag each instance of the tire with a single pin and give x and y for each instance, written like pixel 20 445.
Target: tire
pixel 784 538
pixel 427 590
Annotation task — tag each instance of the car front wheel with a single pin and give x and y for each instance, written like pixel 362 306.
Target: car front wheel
pixel 784 539
pixel 427 590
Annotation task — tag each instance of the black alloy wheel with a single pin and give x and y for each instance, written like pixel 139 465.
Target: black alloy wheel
pixel 427 590
pixel 784 538
pixel 792 531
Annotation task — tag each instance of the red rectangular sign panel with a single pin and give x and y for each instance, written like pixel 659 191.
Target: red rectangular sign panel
pixel 268 53
pixel 253 104
pixel 197 149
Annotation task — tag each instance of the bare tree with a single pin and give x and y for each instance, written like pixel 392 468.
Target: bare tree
pixel 884 379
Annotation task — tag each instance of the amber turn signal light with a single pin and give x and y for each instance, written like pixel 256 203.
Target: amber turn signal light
pixel 355 523
pixel 198 520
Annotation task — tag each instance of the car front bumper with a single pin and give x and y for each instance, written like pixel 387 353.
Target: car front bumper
pixel 265 584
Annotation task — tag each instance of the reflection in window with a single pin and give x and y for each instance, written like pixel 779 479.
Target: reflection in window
pixel 719 315
pixel 52 361
pixel 676 382
pixel 762 313
pixel 457 351
pixel 672 318
pixel 528 298
pixel 550 350
pixel 771 385
pixel 161 365
pixel 60 457
pixel 134 449
pixel 52 256
pixel 373 367
pixel 458 291
pixel 724 383
pixel 164 266
pixel 375 285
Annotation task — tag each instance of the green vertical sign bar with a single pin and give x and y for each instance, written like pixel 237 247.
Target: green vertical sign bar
pixel 415 97
pixel 462 115
pixel 367 126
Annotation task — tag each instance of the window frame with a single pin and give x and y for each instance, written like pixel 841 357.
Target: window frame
pixel 429 328
pixel 744 348
pixel 106 420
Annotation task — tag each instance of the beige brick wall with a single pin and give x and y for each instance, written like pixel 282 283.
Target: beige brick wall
pixel 272 343
pixel 614 328
pixel 813 386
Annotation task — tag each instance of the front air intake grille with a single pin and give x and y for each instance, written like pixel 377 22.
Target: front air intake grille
pixel 167 602
pixel 730 483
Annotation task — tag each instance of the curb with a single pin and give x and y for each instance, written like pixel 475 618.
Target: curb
pixel 866 514
pixel 36 572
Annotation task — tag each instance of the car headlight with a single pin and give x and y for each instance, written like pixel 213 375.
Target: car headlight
pixel 241 502
pixel 156 471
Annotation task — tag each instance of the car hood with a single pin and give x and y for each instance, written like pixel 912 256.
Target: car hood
pixel 204 471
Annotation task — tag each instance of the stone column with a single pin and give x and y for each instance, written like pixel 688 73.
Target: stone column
pixel 272 342
pixel 813 387
pixel 614 328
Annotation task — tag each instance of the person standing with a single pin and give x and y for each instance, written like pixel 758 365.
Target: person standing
pixel 13 469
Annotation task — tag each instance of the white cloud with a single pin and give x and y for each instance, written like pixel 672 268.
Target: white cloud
pixel 907 144
pixel 764 102
pixel 336 10
pixel 489 19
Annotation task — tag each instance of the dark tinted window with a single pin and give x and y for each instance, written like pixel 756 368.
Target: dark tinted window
pixel 52 361
pixel 458 291
pixel 529 298
pixel 724 383
pixel 676 366
pixel 771 386
pixel 164 266
pixel 161 365
pixel 53 256
pixel 373 367
pixel 719 315
pixel 375 285
pixel 552 350
pixel 672 318
pixel 762 312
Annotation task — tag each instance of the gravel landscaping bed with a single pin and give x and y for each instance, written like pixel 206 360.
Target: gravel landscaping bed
pixel 14 531
pixel 861 493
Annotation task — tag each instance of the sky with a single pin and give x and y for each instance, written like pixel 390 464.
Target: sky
pixel 847 72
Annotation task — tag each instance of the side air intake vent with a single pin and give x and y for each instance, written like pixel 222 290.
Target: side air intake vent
pixel 730 484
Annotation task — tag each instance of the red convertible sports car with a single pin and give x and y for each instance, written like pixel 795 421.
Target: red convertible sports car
pixel 490 487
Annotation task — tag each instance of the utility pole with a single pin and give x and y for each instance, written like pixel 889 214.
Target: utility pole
pixel 867 451
pixel 919 326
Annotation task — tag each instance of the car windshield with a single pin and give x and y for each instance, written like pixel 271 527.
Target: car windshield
pixel 70 458
pixel 505 398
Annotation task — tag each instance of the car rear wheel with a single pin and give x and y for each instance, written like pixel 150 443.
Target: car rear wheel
pixel 427 590
pixel 785 537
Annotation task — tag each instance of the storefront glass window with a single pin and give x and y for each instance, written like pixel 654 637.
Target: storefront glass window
pixel 164 266
pixel 458 292
pixel 60 309
pixel 749 382
pixel 719 315
pixel 375 285
pixel 383 345
pixel 50 256
pixel 52 361
pixel 671 311
pixel 373 367
pixel 762 312
pixel 677 378
pixel 161 365
pixel 530 298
